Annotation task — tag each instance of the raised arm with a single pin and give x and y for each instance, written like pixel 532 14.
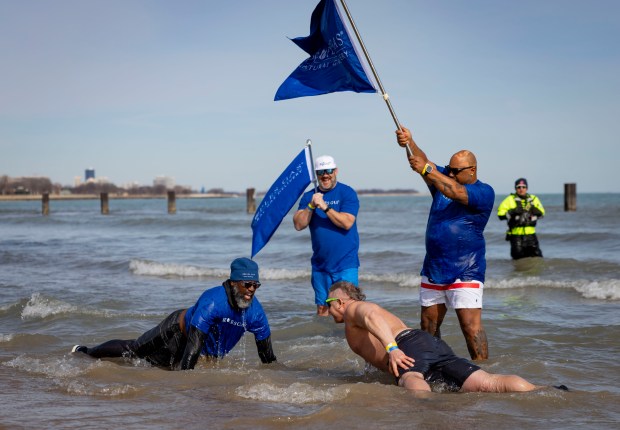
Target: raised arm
pixel 404 138
pixel 444 183
pixel 418 160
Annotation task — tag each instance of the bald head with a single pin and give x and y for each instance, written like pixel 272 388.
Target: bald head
pixel 461 160
pixel 465 156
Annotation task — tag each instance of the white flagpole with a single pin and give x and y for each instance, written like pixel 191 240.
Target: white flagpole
pixel 314 178
pixel 386 97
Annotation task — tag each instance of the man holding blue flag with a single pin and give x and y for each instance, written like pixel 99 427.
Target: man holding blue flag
pixel 280 199
pixel 331 213
pixel 333 64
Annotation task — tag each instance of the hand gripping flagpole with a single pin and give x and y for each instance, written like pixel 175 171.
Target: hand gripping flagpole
pixel 386 97
pixel 314 178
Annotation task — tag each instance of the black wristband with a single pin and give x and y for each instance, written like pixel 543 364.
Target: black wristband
pixel 327 209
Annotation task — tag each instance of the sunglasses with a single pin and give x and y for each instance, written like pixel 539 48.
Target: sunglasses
pixel 520 186
pixel 324 171
pixel 331 299
pixel 456 170
pixel 251 284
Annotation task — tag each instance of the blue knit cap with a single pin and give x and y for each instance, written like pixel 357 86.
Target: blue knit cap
pixel 243 269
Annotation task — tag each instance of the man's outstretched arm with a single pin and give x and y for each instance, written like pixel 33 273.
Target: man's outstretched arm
pixel 265 350
pixel 195 341
pixel 371 317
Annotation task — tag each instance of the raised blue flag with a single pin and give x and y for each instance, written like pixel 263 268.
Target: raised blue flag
pixel 333 64
pixel 280 199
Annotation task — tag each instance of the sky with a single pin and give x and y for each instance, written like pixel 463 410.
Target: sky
pixel 143 88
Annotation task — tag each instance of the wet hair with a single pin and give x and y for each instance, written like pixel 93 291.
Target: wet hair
pixel 349 289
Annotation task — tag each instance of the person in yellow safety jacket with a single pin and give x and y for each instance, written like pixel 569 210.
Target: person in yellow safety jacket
pixel 522 210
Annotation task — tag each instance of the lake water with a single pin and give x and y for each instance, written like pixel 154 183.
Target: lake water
pixel 77 276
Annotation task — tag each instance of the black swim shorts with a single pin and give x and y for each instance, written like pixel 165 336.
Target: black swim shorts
pixel 434 359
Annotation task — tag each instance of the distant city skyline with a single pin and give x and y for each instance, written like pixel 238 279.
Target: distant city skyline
pixel 90 176
pixel 153 88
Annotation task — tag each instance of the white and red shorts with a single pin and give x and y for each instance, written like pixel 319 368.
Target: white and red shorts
pixel 458 295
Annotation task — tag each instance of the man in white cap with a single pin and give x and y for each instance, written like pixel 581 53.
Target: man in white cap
pixel 330 212
pixel 211 327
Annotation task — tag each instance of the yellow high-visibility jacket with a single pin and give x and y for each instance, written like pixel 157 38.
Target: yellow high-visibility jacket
pixel 521 214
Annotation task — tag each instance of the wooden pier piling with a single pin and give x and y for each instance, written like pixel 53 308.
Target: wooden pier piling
pixel 45 204
pixel 250 200
pixel 105 204
pixel 570 197
pixel 172 203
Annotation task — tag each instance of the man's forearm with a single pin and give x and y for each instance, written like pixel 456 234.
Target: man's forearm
pixel 265 350
pixel 341 220
pixel 301 219
pixel 195 340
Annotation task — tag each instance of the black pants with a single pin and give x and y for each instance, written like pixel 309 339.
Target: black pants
pixel 162 346
pixel 522 246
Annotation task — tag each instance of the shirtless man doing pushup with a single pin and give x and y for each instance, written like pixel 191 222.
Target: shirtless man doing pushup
pixel 414 356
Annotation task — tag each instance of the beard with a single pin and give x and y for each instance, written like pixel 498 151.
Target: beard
pixel 242 303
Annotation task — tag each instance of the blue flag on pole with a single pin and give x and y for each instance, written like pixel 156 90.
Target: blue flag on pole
pixel 333 64
pixel 280 199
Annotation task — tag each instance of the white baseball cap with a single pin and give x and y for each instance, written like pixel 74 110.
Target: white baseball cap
pixel 324 162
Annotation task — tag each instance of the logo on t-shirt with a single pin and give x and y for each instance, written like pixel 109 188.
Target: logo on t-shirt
pixel 232 322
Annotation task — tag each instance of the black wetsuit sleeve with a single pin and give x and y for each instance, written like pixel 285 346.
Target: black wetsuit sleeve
pixel 265 350
pixel 195 341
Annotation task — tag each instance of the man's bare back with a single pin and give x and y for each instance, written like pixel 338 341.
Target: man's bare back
pixel 372 333
pixel 361 341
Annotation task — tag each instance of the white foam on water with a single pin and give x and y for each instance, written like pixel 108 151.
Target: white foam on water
pixel 6 337
pixel 408 280
pixel 282 274
pixel 603 290
pixel 64 373
pixel 296 393
pixel 112 390
pixel 7 307
pixel 511 282
pixel 53 367
pixel 153 268
pixel 39 306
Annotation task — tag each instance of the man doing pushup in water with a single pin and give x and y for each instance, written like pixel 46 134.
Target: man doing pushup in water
pixel 414 356
pixel 211 327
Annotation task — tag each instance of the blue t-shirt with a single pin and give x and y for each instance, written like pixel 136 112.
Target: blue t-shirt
pixel 334 248
pixel 223 325
pixel 455 246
